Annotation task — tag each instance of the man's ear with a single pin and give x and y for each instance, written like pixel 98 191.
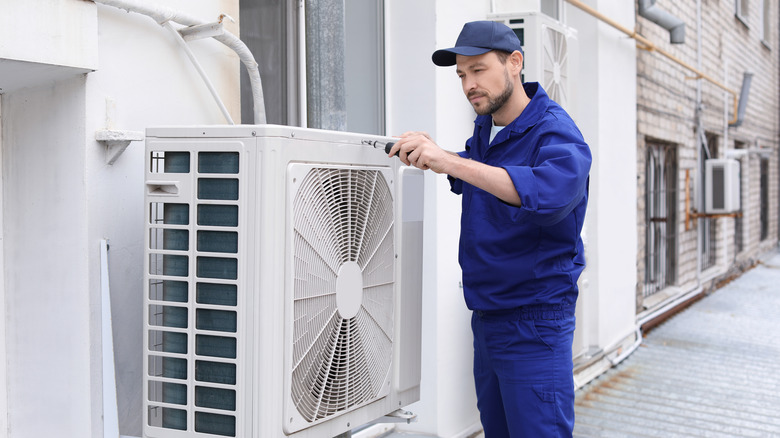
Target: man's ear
pixel 516 62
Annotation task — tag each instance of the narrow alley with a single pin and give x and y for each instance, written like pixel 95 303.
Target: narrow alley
pixel 713 370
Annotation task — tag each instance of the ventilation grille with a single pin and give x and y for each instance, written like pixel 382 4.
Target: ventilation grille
pixel 555 65
pixel 343 290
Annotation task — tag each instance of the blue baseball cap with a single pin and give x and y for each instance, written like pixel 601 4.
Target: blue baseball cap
pixel 476 38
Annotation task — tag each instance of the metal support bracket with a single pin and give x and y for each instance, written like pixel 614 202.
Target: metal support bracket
pixel 400 416
pixel 116 142
pixel 202 31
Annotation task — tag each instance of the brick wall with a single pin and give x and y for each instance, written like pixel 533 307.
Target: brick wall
pixel 667 112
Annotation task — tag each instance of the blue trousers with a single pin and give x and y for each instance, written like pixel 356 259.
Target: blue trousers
pixel 523 371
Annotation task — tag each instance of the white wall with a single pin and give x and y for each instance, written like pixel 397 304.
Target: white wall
pixel 49 305
pixel 61 198
pixel 606 93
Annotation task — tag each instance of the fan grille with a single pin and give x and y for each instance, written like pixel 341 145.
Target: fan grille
pixel 555 65
pixel 341 216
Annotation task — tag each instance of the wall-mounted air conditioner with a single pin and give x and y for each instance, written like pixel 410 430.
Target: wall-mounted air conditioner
pixel 283 282
pixel 722 186
pixel 550 50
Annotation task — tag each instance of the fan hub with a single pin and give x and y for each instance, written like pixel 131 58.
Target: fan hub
pixel 349 289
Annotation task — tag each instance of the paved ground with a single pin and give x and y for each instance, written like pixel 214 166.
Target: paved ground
pixel 713 370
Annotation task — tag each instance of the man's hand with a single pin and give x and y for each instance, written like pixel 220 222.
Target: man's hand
pixel 419 150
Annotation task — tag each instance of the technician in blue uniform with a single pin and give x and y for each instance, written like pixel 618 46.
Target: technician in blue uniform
pixel 524 182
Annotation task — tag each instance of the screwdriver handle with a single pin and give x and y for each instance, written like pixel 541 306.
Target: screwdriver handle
pixel 388 146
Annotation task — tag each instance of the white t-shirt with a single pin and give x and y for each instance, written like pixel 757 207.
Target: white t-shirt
pixel 494 130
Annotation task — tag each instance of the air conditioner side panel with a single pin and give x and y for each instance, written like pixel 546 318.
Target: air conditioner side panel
pixel 410 271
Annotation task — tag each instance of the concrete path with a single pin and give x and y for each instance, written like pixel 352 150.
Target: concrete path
pixel 711 371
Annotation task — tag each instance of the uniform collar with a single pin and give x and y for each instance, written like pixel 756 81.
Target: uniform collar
pixel 530 115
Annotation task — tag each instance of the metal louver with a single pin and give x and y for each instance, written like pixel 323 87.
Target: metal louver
pixel 343 267
pixel 555 65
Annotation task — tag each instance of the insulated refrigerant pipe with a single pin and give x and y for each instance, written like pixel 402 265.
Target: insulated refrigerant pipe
pixel 163 15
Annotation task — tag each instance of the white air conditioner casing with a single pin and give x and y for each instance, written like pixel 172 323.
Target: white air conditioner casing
pixel 722 186
pixel 550 54
pixel 283 282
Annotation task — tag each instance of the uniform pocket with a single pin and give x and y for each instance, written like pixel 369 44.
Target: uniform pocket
pixel 547 332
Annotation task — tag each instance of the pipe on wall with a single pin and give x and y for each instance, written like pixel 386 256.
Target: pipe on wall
pixel 163 15
pixel 674 25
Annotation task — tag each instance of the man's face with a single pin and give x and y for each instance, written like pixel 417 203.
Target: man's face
pixel 485 81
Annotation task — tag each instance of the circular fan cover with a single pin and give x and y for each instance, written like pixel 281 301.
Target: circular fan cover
pixel 343 290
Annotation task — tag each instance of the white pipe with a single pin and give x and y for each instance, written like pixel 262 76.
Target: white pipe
pixel 162 15
pixel 183 44
pixel 616 360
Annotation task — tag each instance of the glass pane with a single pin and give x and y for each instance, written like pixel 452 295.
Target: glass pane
pixel 167 264
pixel 167 316
pixel 216 346
pixel 218 215
pixel 215 398
pixel 220 294
pixel 215 424
pixel 218 188
pixel 167 392
pixel 168 418
pixel 177 240
pixel 218 241
pixel 170 214
pixel 167 342
pixel 217 320
pixel 215 372
pixel 218 162
pixel 171 367
pixel 168 290
pixel 216 267
pixel 177 162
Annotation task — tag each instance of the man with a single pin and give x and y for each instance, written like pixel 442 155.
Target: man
pixel 524 182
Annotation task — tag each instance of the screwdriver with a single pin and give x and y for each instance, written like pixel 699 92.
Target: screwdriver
pixel 376 143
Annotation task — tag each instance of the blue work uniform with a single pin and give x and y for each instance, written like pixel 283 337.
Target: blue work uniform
pixel 520 269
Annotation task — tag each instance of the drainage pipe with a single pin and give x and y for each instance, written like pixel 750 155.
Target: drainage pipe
pixel 674 25
pixel 163 15
pixel 646 44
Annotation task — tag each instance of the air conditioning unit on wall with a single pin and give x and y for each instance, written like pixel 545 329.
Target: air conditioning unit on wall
pixel 283 285
pixel 722 186
pixel 550 53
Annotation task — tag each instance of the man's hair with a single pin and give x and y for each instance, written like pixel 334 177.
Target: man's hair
pixel 503 55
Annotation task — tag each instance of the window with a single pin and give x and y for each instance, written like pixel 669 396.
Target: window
pixel 764 209
pixel 708 229
pixel 552 8
pixel 340 53
pixel 766 21
pixel 660 217
pixel 741 9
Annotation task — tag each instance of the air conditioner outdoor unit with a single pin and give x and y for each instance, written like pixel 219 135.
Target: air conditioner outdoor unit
pixel 550 50
pixel 722 186
pixel 283 282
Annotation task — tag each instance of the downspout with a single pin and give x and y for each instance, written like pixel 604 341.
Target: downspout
pixel 674 25
pixel 702 142
pixel 163 15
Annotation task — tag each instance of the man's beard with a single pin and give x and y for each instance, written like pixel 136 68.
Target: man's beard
pixel 496 104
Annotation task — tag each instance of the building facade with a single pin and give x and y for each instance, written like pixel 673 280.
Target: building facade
pixel 683 121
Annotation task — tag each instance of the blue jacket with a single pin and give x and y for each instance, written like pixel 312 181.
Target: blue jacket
pixel 533 254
